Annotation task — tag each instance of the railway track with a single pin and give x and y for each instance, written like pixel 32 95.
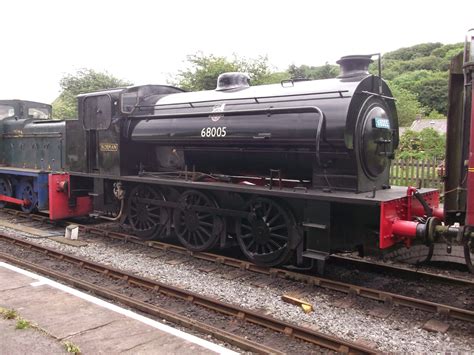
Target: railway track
pixel 237 313
pixel 399 270
pixel 363 264
pixel 347 288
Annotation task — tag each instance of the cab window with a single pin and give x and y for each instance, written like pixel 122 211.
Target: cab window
pixel 39 113
pixel 6 111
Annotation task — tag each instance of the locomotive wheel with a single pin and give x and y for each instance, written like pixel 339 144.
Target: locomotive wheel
pixel 468 251
pixel 5 189
pixel 27 193
pixel 146 220
pixel 265 237
pixel 197 230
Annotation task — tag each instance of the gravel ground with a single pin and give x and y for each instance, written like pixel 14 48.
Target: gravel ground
pixel 400 332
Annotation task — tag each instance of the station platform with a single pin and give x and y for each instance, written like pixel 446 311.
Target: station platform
pixel 92 324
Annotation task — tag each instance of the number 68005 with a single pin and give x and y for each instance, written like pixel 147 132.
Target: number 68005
pixel 211 132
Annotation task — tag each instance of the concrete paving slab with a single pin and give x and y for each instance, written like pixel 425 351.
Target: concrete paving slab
pixel 11 281
pixel 49 307
pixel 26 341
pixel 130 335
pixel 114 337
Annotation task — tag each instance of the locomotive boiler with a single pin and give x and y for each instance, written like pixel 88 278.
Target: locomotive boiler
pixel 334 134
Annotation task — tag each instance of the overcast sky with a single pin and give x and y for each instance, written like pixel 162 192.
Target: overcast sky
pixel 147 41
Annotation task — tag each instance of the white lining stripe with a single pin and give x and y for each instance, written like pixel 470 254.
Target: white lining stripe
pixel 37 283
pixel 163 327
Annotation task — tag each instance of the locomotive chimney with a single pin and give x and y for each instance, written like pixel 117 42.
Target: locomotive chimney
pixel 232 80
pixel 354 65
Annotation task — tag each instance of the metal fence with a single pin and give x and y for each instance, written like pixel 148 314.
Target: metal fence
pixel 418 173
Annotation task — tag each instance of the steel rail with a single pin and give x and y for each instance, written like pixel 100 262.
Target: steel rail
pixel 400 270
pixel 374 294
pixel 397 270
pixel 251 316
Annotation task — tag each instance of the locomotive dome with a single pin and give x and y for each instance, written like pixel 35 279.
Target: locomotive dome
pixel 233 80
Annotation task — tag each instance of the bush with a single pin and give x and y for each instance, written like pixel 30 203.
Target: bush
pixel 427 144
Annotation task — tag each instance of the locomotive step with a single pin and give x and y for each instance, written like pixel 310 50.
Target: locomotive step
pixel 316 255
pixel 314 225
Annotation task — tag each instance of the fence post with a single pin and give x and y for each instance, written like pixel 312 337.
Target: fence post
pixel 423 172
pixel 423 182
pixel 397 169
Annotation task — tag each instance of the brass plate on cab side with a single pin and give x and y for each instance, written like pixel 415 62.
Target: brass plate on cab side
pixel 108 147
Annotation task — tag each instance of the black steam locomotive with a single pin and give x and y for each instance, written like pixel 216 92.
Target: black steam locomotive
pixel 294 170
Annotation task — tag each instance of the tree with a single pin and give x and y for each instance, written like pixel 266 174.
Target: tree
pixel 276 77
pixel 420 63
pixel 83 81
pixel 431 87
pixel 408 59
pixel 427 144
pixel 204 70
pixel 407 105
pixel 409 53
pixel 448 50
pixel 326 71
pixel 423 70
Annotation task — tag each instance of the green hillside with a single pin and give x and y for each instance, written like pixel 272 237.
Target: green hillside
pixel 418 76
pixel 421 70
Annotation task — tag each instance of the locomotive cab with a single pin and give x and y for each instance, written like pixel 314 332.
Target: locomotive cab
pixel 98 142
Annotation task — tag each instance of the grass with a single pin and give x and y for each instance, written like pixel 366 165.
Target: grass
pixel 71 347
pixel 12 314
pixel 22 324
pixel 8 313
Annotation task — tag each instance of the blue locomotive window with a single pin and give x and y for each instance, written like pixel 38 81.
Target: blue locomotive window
pixel 6 111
